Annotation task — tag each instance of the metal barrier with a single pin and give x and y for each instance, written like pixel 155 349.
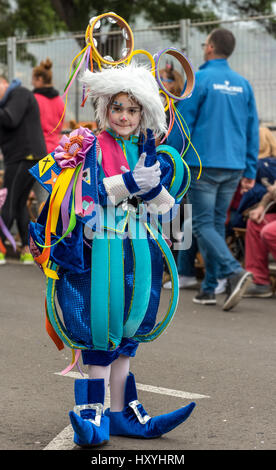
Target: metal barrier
pixel 253 56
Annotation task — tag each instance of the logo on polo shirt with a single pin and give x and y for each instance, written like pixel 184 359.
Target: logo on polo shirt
pixel 227 88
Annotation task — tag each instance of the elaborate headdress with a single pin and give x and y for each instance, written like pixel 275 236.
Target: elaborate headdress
pixel 138 82
pixel 123 75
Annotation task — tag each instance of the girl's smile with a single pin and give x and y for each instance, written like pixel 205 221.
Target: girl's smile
pixel 124 115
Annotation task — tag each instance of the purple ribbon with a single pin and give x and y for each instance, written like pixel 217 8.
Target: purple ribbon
pixel 86 67
pixel 7 233
pixel 64 208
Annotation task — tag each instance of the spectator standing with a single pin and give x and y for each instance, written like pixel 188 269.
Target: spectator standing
pixel 50 104
pixel 22 144
pixel 222 118
pixel 51 107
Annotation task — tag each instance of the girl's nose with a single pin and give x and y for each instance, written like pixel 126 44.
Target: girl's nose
pixel 123 118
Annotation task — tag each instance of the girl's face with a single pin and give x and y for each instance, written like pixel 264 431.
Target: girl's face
pixel 124 115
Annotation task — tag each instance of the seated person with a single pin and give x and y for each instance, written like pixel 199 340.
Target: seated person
pixel 260 240
pixel 266 173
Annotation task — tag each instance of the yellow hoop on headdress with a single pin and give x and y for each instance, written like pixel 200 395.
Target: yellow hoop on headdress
pixel 167 99
pixel 149 56
pixel 128 35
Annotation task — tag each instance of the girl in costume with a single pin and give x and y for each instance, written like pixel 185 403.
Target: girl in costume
pixel 107 271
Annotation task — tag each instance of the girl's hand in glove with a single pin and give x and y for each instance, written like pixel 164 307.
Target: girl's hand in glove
pixel 146 177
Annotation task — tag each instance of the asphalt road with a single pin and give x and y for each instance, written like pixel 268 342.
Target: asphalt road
pixel 226 357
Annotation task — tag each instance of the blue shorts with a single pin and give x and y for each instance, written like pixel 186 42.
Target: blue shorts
pixel 127 347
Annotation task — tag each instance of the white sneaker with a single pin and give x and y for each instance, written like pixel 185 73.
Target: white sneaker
pixel 184 282
pixel 221 287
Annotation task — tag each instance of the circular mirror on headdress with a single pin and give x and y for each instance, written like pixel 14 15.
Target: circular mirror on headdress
pixel 119 48
pixel 185 64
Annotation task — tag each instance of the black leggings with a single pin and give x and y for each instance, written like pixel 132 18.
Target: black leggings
pixel 19 183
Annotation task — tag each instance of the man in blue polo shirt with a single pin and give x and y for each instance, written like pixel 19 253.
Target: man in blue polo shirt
pixel 222 119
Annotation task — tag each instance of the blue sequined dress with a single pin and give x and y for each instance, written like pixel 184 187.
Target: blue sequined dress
pixel 109 287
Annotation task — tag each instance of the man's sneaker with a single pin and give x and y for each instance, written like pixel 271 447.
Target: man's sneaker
pixel 236 286
pixel 2 258
pixel 185 282
pixel 259 290
pixel 205 298
pixel 221 287
pixel 26 258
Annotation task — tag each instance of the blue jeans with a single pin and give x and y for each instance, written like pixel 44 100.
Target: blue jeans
pixel 210 197
pixel 186 257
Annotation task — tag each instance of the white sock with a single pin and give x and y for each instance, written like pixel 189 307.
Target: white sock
pixel 118 376
pixel 100 372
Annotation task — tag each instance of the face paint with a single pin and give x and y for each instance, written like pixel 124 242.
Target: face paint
pixel 124 116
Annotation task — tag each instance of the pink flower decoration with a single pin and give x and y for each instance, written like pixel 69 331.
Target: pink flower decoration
pixel 72 150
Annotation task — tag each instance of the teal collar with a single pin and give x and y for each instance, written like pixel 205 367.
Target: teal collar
pixel 134 139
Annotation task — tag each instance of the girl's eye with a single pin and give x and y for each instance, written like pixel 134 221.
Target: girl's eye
pixel 116 109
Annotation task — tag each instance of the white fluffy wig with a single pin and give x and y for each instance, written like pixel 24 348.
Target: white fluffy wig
pixel 135 80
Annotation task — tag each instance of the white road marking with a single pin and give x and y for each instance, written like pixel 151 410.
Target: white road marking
pixel 64 440
pixel 149 388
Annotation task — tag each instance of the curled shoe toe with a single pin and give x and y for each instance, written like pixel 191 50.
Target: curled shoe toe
pixel 133 420
pixel 87 434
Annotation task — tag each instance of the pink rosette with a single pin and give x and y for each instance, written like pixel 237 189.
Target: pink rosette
pixel 71 150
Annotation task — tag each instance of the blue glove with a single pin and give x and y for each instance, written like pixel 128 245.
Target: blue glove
pixel 150 149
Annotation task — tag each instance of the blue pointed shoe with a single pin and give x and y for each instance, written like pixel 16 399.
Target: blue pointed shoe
pixel 91 427
pixel 134 421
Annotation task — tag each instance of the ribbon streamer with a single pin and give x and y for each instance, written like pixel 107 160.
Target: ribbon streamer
pixel 78 193
pixel 75 73
pixel 7 233
pixel 172 119
pixel 65 208
pixel 74 362
pixel 84 52
pixel 3 227
pixel 57 197
pixel 180 117
pixel 51 331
